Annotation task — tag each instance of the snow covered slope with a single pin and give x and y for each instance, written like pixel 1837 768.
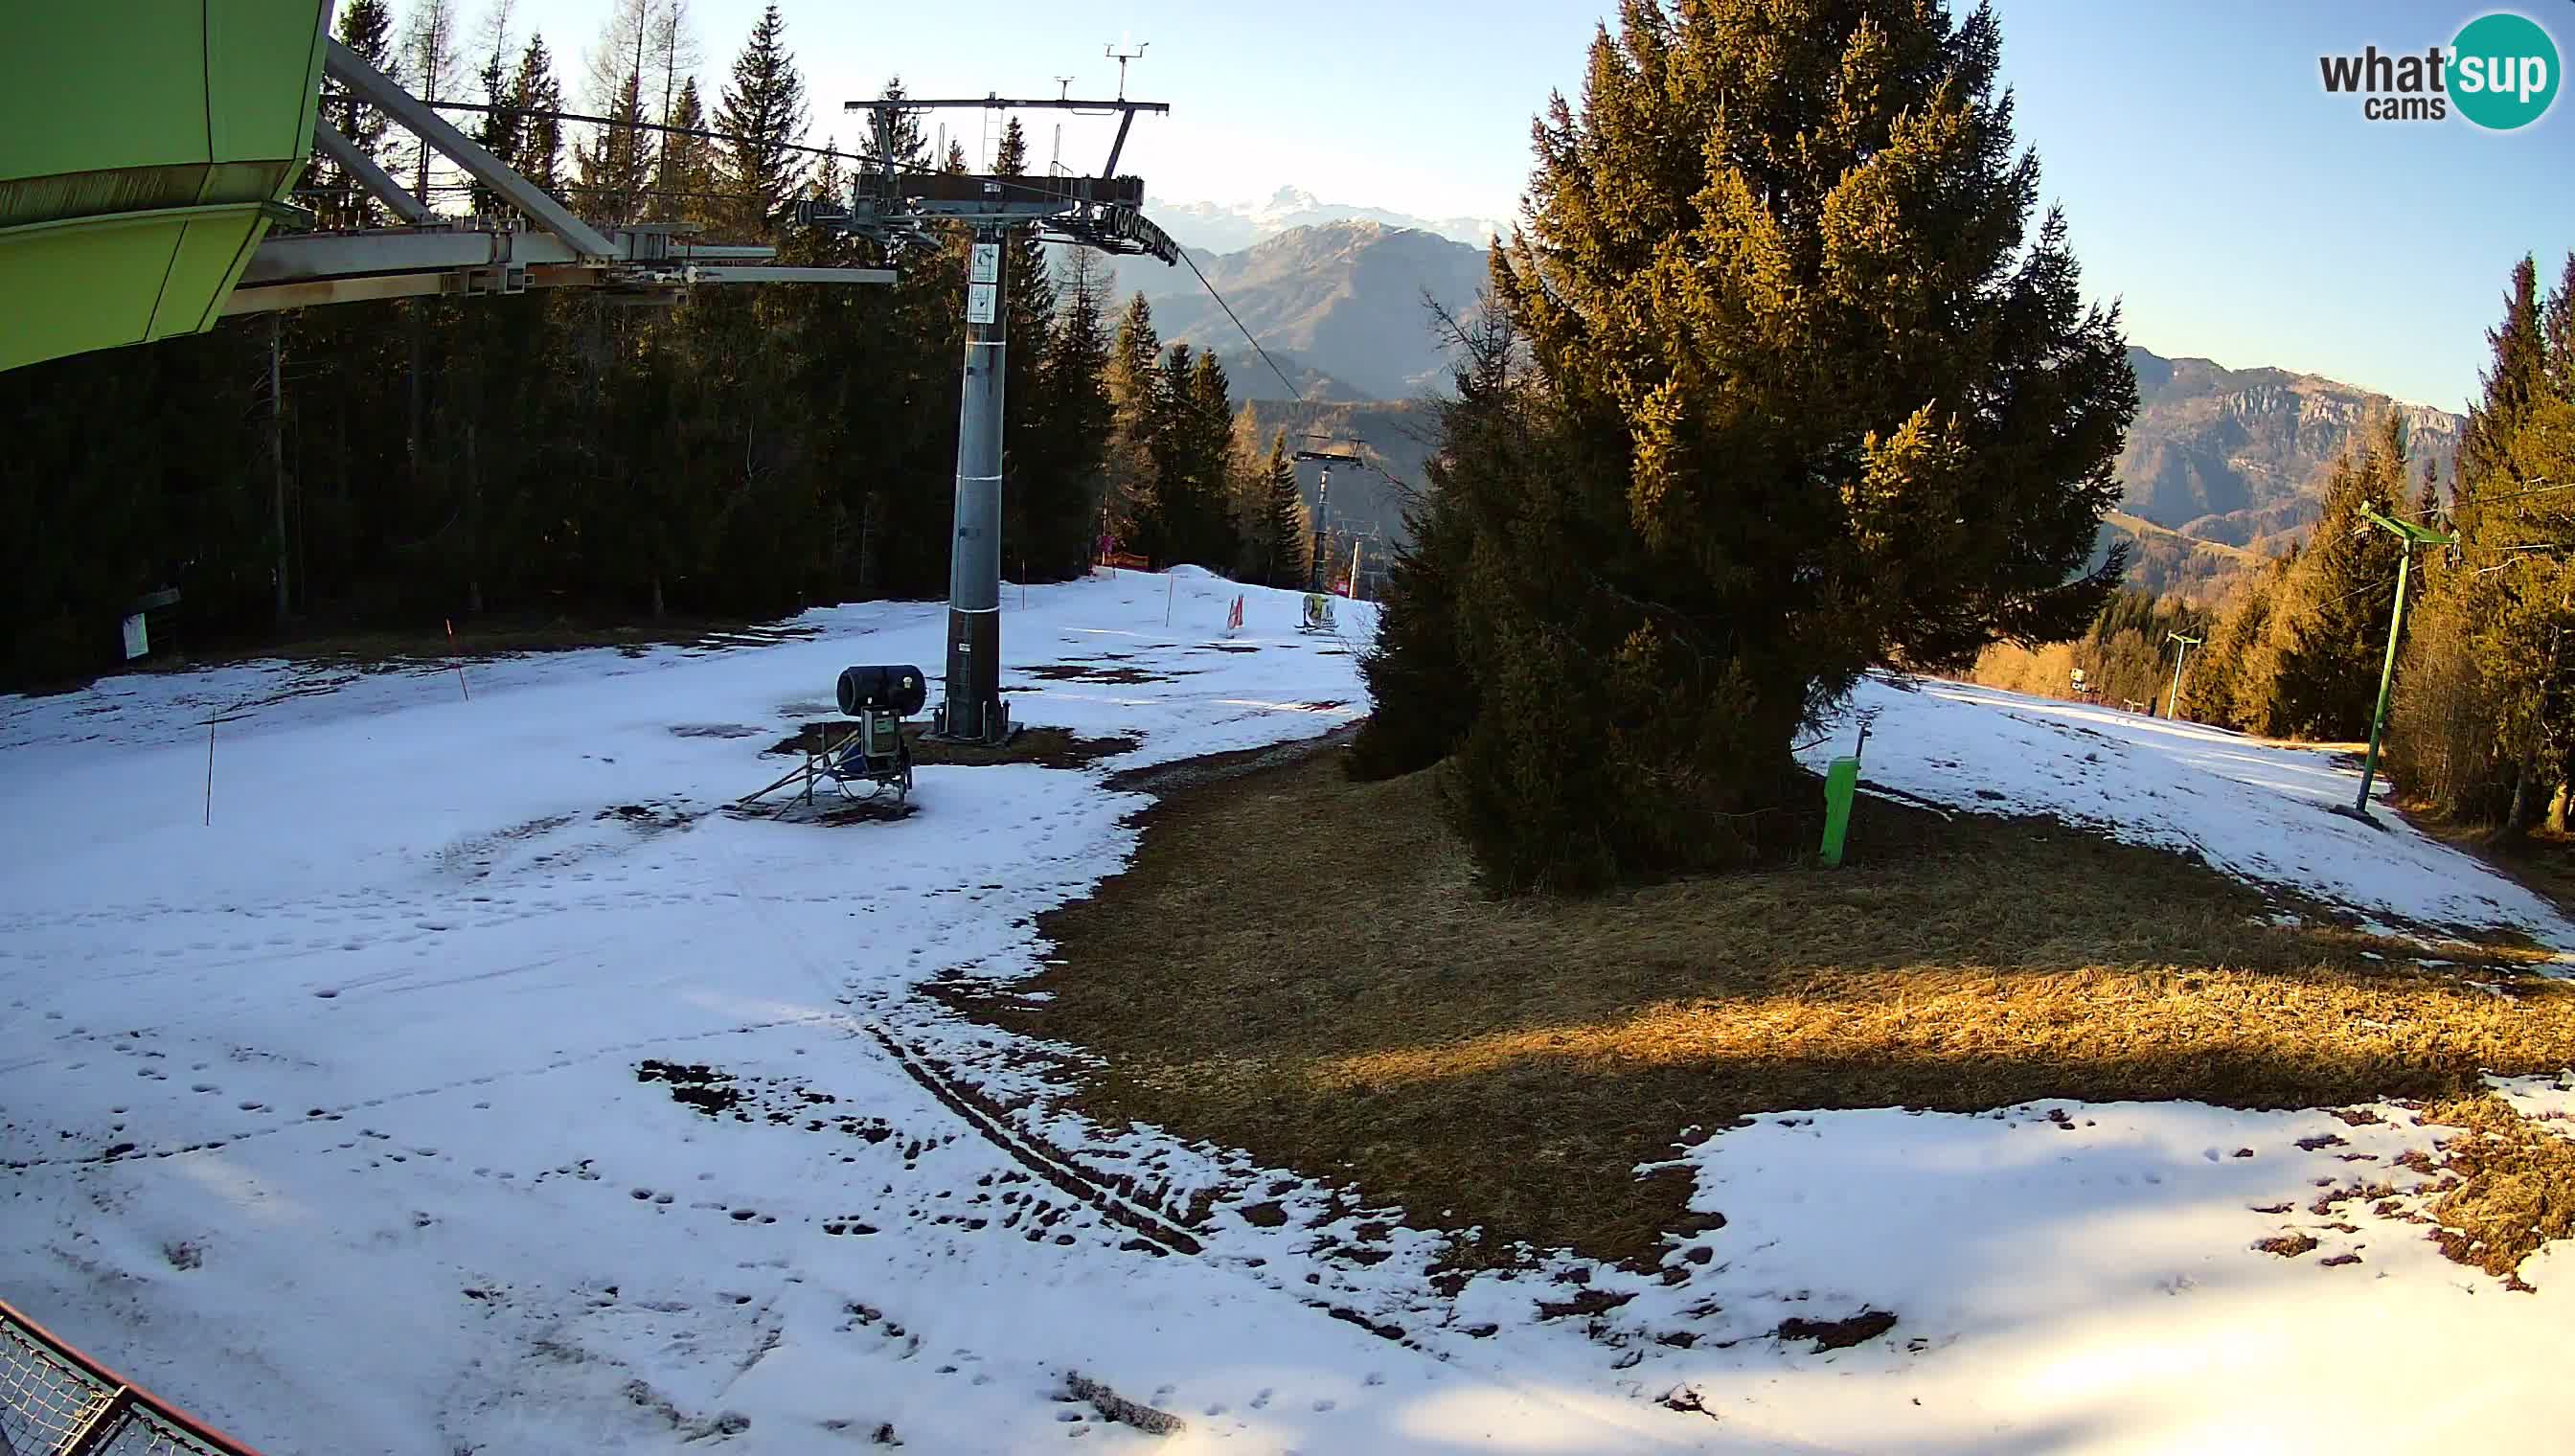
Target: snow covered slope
pixel 2260 811
pixel 476 1083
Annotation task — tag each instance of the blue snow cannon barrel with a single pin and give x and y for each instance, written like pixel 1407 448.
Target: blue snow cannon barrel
pixel 899 690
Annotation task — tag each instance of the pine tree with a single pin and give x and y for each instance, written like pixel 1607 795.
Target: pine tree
pixel 614 171
pixel 535 92
pixel 685 185
pixel 761 114
pixel 2510 382
pixel 1285 526
pixel 1814 395
pixel 2313 674
pixel 1078 422
pixel 1012 159
pixel 1427 699
pixel 910 149
pixel 366 27
pixel 1134 386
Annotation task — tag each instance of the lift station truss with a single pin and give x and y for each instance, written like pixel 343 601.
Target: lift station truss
pixel 430 256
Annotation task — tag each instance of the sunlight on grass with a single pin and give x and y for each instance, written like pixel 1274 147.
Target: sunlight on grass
pixel 1349 1004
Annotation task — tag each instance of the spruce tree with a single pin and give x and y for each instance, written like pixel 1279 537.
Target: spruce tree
pixel 1416 668
pixel 2511 380
pixel 536 92
pixel 685 185
pixel 2314 672
pixel 761 114
pixel 1285 526
pixel 1814 397
pixel 366 27
pixel 615 170
pixel 1079 423
pixel 1134 386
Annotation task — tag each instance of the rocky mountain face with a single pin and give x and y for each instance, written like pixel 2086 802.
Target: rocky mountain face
pixel 2236 456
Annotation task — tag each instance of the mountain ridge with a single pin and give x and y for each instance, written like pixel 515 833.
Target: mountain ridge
pixel 2221 467
pixel 1233 227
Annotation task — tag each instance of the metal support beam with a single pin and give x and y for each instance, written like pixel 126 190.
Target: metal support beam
pixel 973 708
pixel 1125 120
pixel 733 273
pixel 375 179
pixel 376 89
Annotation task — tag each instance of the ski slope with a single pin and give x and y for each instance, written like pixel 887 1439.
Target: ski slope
pixel 475 1082
pixel 2260 811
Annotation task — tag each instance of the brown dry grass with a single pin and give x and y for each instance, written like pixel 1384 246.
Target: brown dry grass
pixel 1303 968
pixel 2516 1184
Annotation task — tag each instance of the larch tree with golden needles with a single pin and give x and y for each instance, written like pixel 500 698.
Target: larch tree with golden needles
pixel 1808 393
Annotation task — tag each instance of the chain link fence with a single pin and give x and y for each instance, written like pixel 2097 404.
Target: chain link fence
pixel 56 1401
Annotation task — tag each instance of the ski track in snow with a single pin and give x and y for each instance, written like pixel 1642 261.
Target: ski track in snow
pixel 325 1120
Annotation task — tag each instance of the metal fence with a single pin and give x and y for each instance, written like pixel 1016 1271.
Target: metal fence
pixel 56 1401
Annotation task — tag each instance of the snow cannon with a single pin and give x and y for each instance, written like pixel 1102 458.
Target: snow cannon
pixel 900 690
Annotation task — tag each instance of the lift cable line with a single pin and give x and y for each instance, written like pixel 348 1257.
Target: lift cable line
pixel 1293 393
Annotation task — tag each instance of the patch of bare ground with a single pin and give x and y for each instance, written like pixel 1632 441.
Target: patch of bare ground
pixel 1306 969
pixel 1085 673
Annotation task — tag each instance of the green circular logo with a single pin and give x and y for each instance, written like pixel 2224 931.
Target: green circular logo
pixel 2503 71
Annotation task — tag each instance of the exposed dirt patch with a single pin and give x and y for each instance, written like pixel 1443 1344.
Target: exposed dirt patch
pixel 1114 677
pixel 2287 1246
pixel 1839 1334
pixel 693 1084
pixel 1048 748
pixel 1354 1007
pixel 714 731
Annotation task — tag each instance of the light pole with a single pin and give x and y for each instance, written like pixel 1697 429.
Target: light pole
pixel 2412 536
pixel 2173 700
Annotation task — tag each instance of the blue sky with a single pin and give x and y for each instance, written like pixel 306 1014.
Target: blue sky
pixel 2239 212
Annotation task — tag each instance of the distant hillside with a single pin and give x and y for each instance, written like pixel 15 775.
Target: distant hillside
pixel 1230 228
pixel 1346 298
pixel 2165 562
pixel 1393 436
pixel 2235 456
pixel 2221 467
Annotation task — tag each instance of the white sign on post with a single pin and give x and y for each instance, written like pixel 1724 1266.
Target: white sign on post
pixel 980 300
pixel 987 264
pixel 137 640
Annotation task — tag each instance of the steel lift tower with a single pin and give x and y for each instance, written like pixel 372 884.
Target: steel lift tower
pixel 898 207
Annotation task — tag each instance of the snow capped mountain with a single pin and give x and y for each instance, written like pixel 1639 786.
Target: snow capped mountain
pixel 1232 227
